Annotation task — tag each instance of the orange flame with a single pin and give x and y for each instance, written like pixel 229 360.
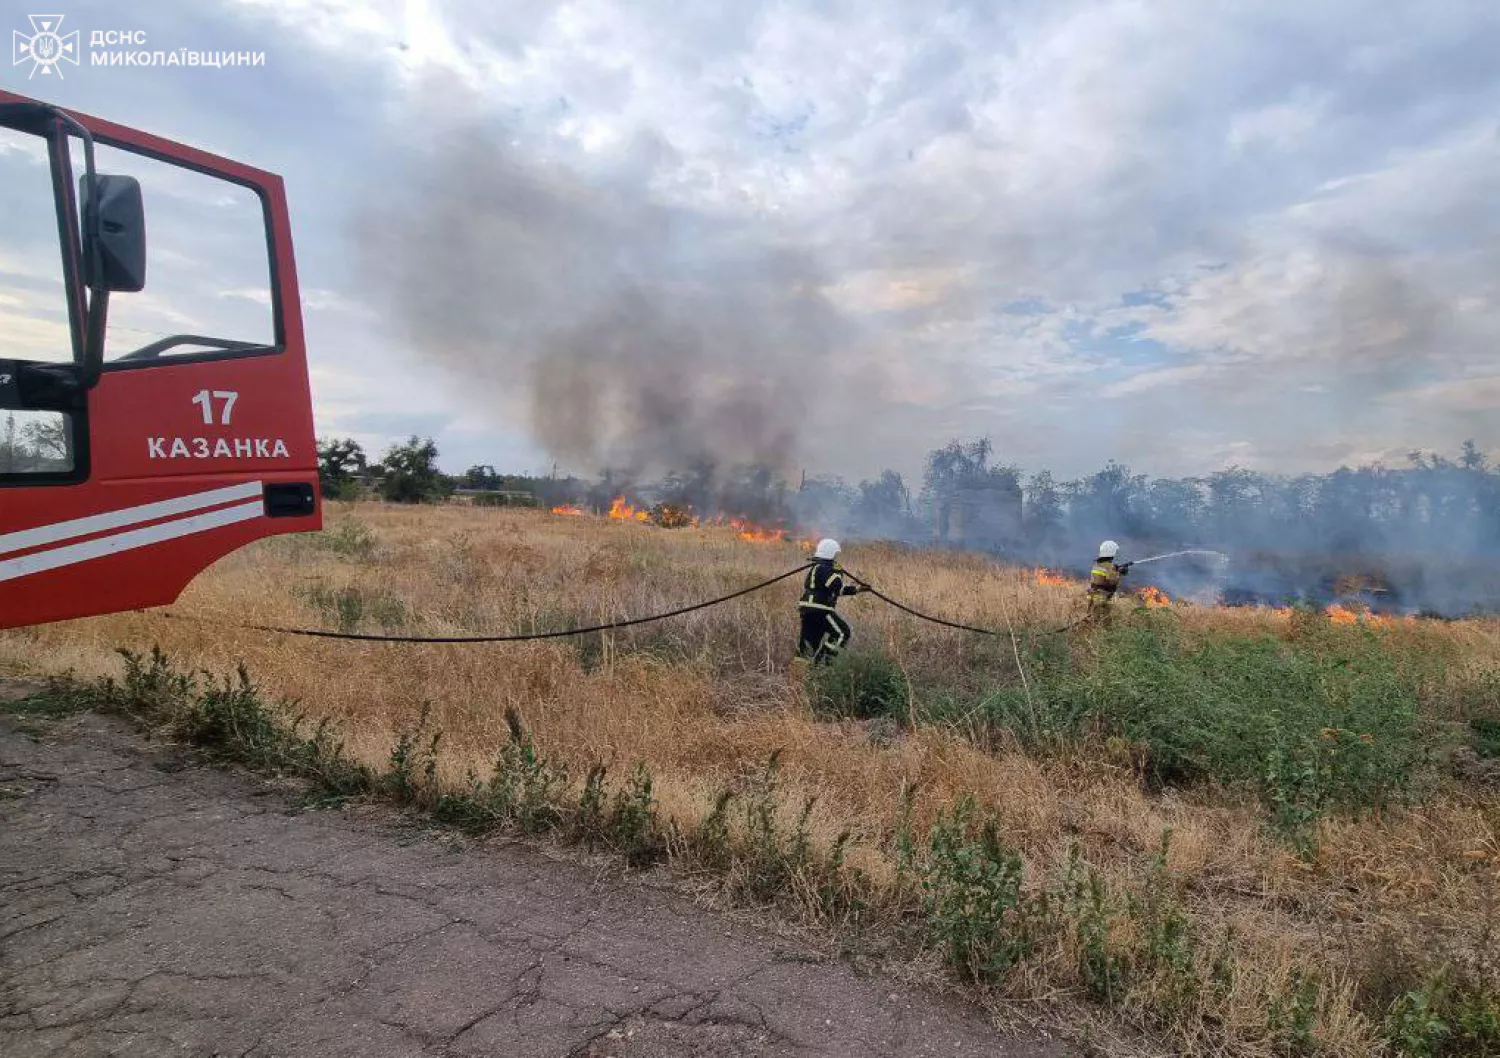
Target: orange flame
pixel 745 529
pixel 756 534
pixel 763 536
pixel 673 517
pixel 1341 615
pixel 567 508
pixel 622 511
pixel 1049 579
pixel 1155 598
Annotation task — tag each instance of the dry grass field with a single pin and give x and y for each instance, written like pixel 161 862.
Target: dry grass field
pixel 1234 831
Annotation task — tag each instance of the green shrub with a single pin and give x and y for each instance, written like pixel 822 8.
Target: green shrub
pixel 350 607
pixel 62 696
pixel 412 778
pixel 1166 955
pixel 1085 904
pixel 766 861
pixel 526 787
pixel 634 826
pixel 346 491
pixel 589 824
pixel 711 843
pixel 153 691
pixel 1320 723
pixel 976 911
pixel 765 864
pixel 1445 1018
pixel 350 538
pixel 1291 1015
pixel 861 684
pixel 1484 736
pixel 231 720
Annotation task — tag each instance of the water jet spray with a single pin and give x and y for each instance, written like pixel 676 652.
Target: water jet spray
pixel 1174 554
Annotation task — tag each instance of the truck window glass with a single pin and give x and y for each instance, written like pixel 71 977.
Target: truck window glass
pixel 33 307
pixel 36 442
pixel 208 267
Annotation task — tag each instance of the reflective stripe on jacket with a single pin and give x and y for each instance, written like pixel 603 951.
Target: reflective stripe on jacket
pixel 823 586
pixel 1104 579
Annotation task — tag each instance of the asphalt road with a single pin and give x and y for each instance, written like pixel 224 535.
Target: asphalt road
pixel 152 907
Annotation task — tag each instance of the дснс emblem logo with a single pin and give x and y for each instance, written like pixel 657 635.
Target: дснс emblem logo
pixel 45 47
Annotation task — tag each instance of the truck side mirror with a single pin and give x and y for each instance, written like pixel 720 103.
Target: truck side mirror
pixel 117 259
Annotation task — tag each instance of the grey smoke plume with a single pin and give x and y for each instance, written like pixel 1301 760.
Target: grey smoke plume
pixel 627 332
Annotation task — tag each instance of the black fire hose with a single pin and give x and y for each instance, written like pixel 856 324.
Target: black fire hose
pixel 945 623
pixel 918 613
pixel 360 637
pixel 517 638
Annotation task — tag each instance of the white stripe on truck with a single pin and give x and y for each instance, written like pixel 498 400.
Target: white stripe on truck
pixel 57 557
pixel 148 512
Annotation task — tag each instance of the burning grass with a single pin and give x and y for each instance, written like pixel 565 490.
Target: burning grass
pixel 1328 882
pixel 1154 598
pixel 674 516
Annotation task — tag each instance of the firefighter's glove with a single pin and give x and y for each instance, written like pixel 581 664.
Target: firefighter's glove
pixel 1124 567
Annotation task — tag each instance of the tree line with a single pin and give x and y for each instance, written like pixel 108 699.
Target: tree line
pixel 968 497
pixel 1431 504
pixel 409 473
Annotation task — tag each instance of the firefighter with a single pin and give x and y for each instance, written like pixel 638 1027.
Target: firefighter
pixel 1104 581
pixel 824 632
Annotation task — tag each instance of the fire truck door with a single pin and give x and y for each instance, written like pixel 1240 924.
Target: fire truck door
pixel 155 411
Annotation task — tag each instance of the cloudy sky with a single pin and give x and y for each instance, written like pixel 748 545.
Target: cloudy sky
pixel 1177 233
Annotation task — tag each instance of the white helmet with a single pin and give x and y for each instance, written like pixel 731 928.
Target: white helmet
pixel 828 549
pixel 1109 549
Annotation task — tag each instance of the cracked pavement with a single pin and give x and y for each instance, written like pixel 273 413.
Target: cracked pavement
pixel 149 907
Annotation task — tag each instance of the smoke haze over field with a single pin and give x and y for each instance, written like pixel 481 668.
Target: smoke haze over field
pixel 629 333
pixel 1423 535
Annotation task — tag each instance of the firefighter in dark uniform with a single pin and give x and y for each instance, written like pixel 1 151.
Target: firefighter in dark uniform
pixel 824 632
pixel 1104 581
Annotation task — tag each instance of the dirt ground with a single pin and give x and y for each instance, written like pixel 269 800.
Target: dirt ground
pixel 149 906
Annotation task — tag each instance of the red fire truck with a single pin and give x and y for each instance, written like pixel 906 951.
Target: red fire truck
pixel 127 469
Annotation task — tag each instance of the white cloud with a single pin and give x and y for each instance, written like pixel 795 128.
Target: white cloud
pixel 29 149
pixel 1282 126
pixel 1472 396
pixel 1156 379
pixel 256 295
pixel 30 333
pixel 1388 267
